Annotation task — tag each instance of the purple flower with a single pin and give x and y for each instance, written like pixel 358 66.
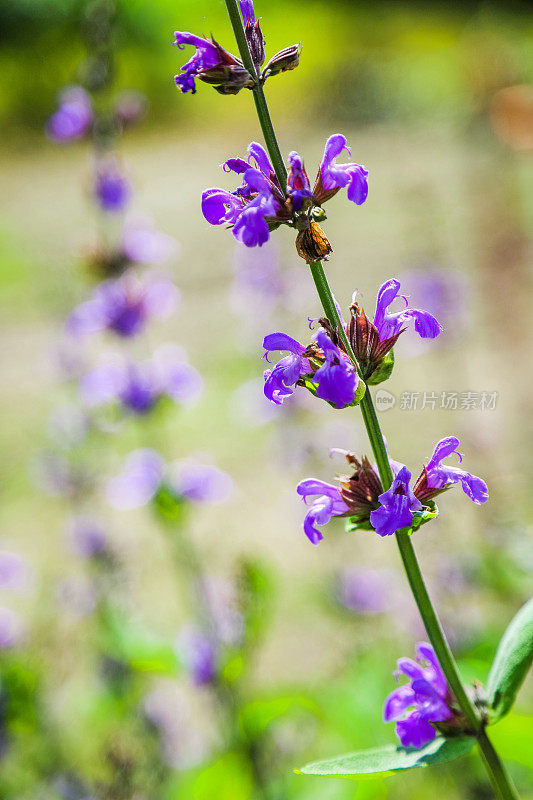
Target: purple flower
pixel 247 11
pixel 138 387
pixel 397 506
pixel 14 571
pixel 139 481
pixel 111 189
pixel 87 537
pixel 73 117
pixel 210 63
pixel 145 473
pixel 201 654
pixel 261 203
pixel 130 106
pixel 424 700
pixel 335 379
pixel 11 628
pixel 123 306
pixel 200 483
pixel 332 176
pixel 389 324
pixel 367 591
pixel 143 244
pixel 436 477
pixel 328 504
pixel 280 380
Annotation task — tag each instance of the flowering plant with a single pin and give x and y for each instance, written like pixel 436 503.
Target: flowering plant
pixel 339 366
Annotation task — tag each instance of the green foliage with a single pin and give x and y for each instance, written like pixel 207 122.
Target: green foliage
pixel 511 663
pixel 390 759
pixel 384 371
pixel 136 648
pixel 256 716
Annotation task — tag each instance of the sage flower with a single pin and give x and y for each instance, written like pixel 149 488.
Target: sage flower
pixel 330 372
pixel 418 705
pixel 360 495
pixel 261 204
pixel 111 188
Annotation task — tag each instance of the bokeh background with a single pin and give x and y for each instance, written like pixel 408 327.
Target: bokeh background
pixel 436 101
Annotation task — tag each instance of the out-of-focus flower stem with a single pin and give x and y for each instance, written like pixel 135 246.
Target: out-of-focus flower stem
pixel 499 778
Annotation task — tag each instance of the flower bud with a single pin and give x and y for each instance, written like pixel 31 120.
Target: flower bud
pixel 256 43
pixel 285 60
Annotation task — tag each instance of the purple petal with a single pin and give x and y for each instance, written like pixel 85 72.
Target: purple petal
pixel 414 731
pixel 220 207
pixel 200 483
pixel 260 156
pixel 397 703
pixel 251 228
pixel 282 341
pixel 247 11
pixel 138 483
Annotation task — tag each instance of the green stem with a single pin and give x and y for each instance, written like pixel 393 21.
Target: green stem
pixel 259 95
pixel 500 780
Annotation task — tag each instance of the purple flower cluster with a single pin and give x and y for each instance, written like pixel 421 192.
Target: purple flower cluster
pixel 123 306
pixel 145 473
pixel 139 387
pixel 326 365
pixel 416 706
pixel 360 496
pixel 260 203
pixel 214 65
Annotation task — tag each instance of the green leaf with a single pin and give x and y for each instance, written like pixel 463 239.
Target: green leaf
pixel 383 372
pixel 512 739
pixel 361 522
pixel 390 758
pixel 511 663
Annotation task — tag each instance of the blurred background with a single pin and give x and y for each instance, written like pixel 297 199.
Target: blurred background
pixel 101 692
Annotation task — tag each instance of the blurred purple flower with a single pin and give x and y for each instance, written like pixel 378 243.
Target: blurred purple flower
pixel 145 473
pixel 222 599
pixel 57 476
pixel 200 653
pixel 367 591
pixel 424 700
pixel 130 106
pixel 15 573
pixel 138 387
pixel 123 306
pixel 143 244
pixel 111 189
pixel 11 628
pixel 87 536
pixel 73 117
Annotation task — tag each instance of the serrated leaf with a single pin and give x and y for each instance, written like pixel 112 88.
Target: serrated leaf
pixel 390 758
pixel 511 663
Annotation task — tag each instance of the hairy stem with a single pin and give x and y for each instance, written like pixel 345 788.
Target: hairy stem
pixel 499 778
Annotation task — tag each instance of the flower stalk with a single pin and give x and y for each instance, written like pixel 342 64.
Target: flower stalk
pixel 501 781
